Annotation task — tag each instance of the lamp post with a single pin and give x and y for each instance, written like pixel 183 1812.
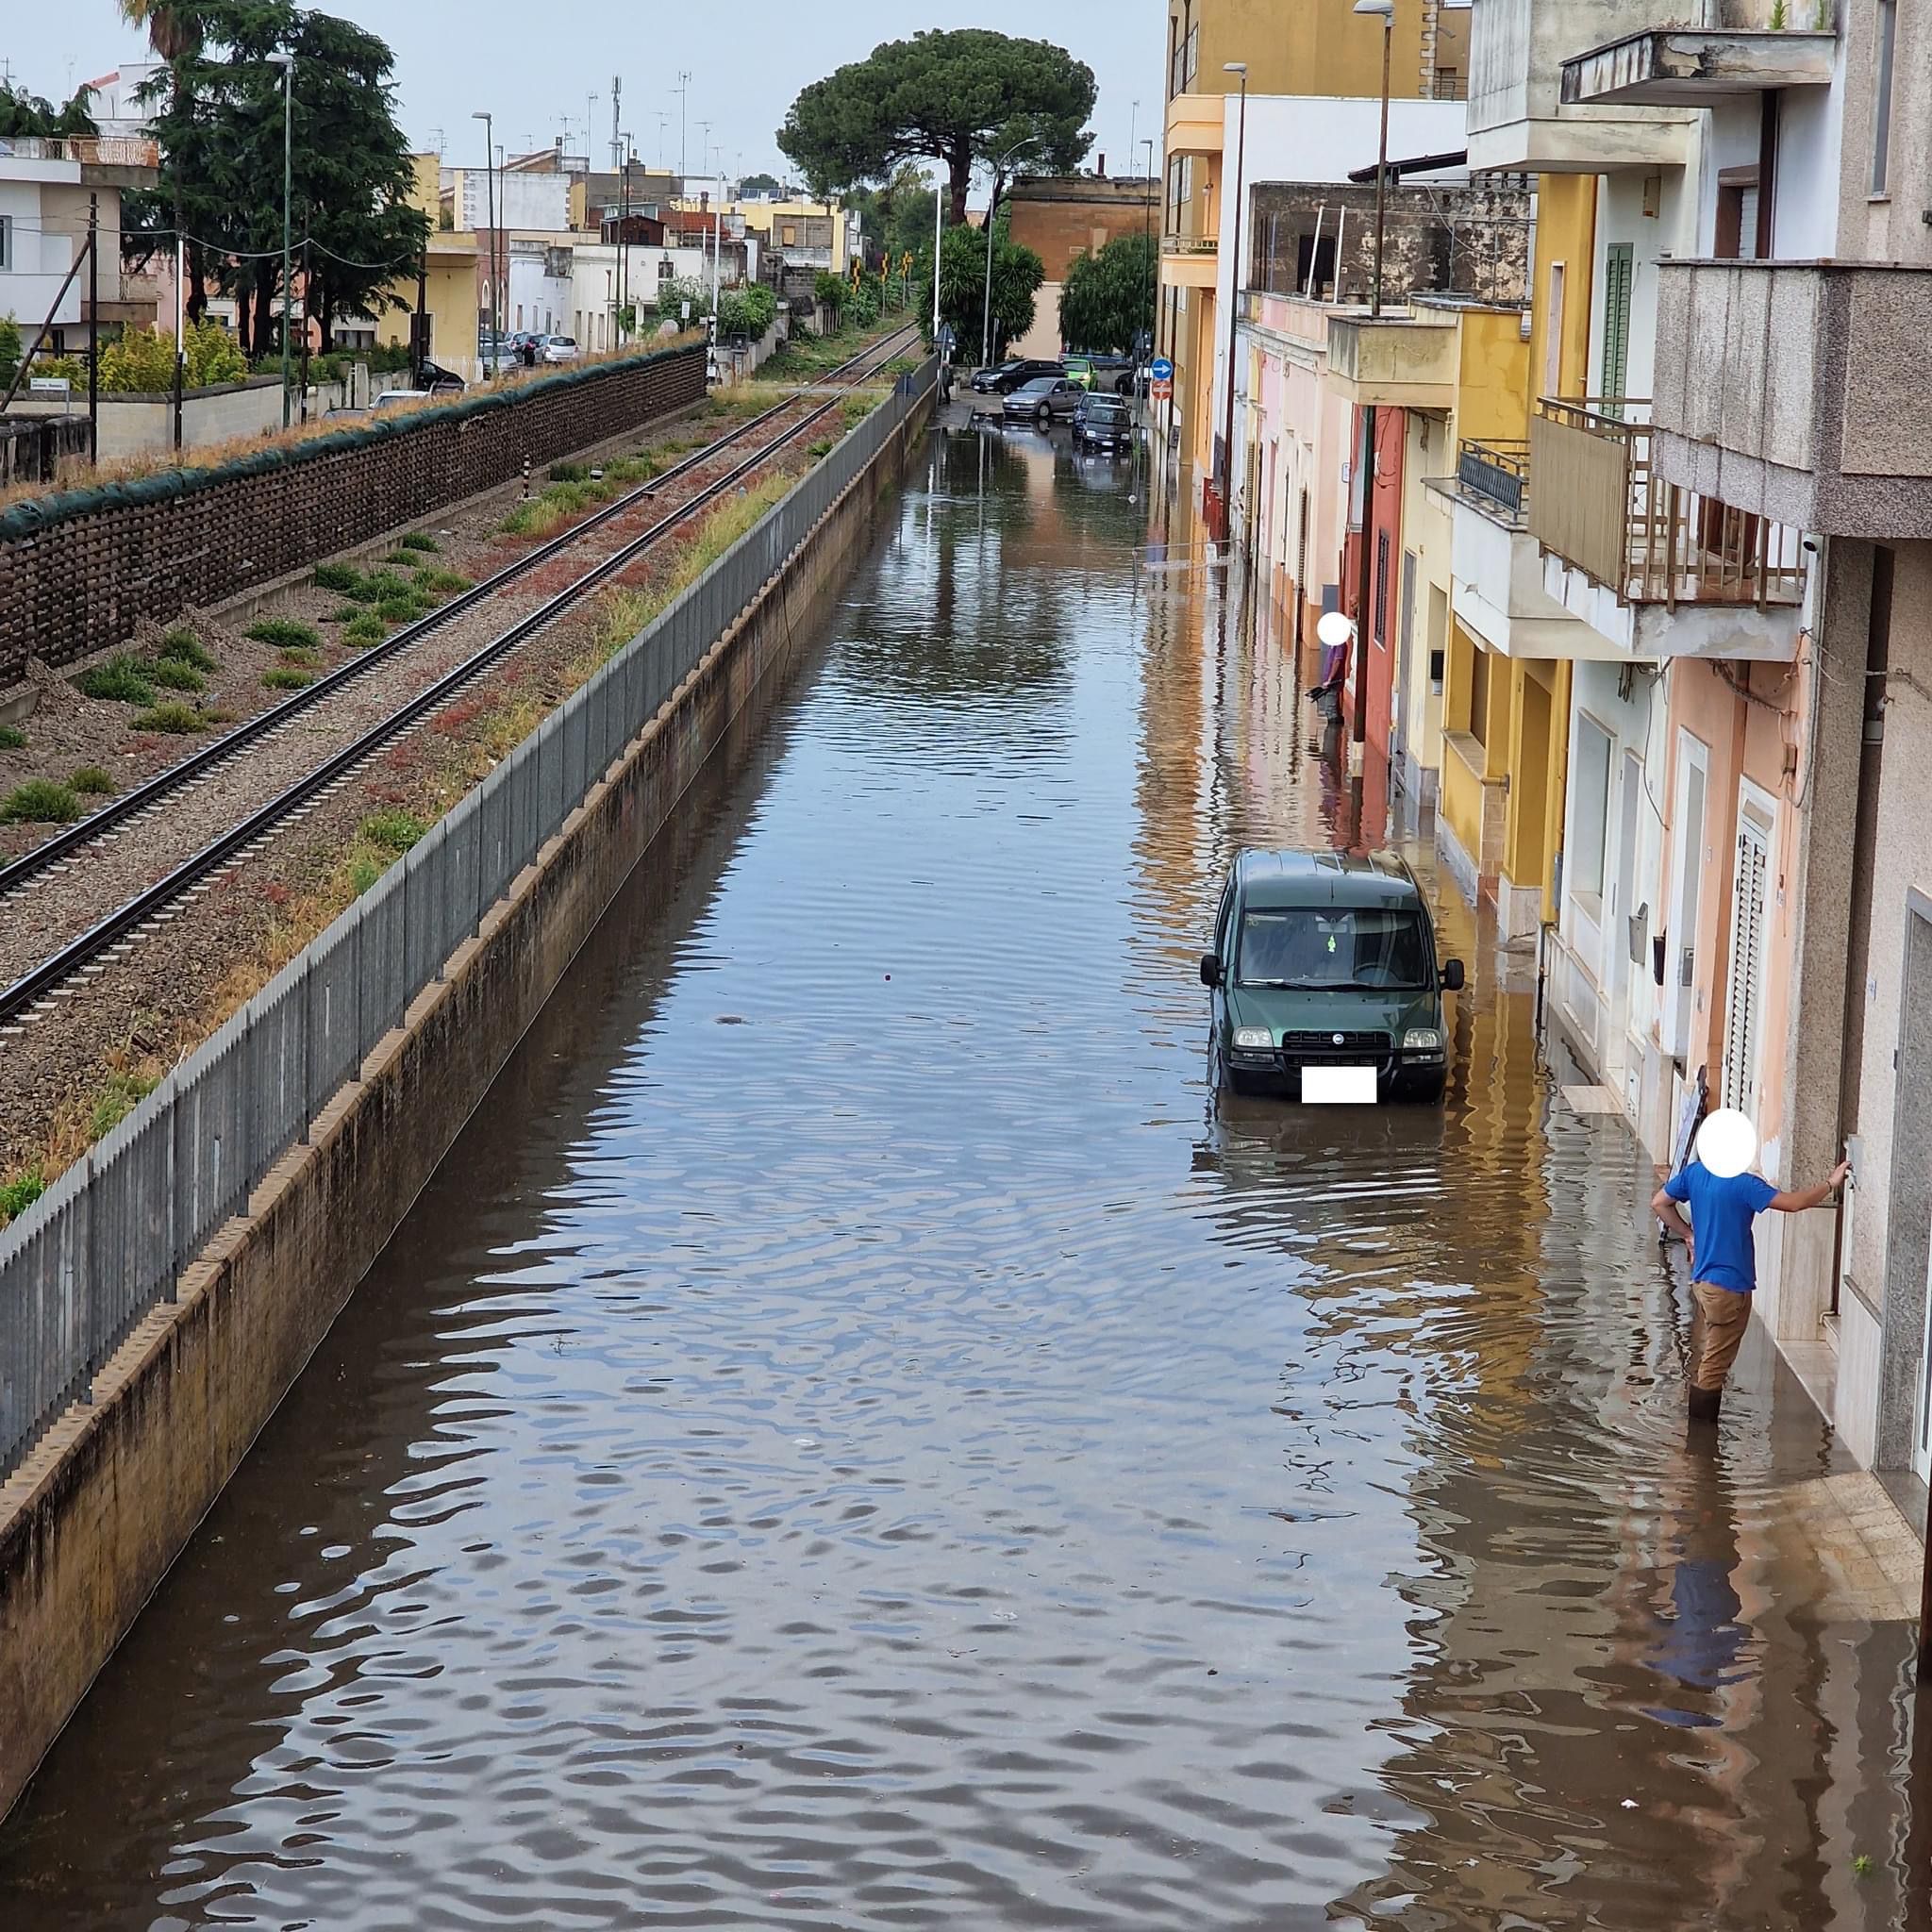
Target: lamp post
pixel 1385 11
pixel 495 367
pixel 938 230
pixel 1147 235
pixel 287 63
pixel 992 204
pixel 1234 271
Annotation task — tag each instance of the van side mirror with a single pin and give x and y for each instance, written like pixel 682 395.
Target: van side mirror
pixel 1451 975
pixel 1210 970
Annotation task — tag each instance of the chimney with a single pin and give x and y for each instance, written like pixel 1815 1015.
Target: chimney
pixel 1100 168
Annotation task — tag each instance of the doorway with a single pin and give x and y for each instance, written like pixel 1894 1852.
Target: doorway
pixel 1687 892
pixel 1909 1214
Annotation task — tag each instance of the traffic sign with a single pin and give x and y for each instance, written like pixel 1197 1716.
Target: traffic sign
pixel 1161 368
pixel 1160 390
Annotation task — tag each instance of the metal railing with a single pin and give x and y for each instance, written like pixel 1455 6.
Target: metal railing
pixel 1601 506
pixel 96 151
pixel 109 1239
pixel 1497 470
pixel 1172 244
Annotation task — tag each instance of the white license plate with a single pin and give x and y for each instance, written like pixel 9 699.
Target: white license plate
pixel 1338 1086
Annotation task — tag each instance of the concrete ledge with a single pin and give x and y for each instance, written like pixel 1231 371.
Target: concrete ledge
pixel 92 1521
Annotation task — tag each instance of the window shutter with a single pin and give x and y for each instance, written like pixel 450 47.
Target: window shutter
pixel 1747 969
pixel 1616 363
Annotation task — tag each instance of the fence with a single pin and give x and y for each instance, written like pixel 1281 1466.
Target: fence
pixel 109 1239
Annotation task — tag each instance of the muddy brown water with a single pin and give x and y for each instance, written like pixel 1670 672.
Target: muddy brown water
pixel 857 1436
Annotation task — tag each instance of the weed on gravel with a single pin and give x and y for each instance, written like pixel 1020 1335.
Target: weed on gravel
pixel 175 717
pixel 39 801
pixel 94 781
pixel 20 1193
pixel 184 648
pixel 420 540
pixel 342 578
pixel 365 629
pixel 125 1090
pixel 282 678
pixel 284 633
pixel 302 656
pixel 120 680
pixel 175 675
pixel 445 583
pixel 12 738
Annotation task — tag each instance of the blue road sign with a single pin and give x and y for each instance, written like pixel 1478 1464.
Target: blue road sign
pixel 1161 368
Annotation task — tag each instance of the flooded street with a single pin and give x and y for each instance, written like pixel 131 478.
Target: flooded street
pixel 858 1436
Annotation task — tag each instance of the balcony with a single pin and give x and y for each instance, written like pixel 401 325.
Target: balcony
pixel 1668 66
pixel 1197 123
pixel 1799 390
pixel 1396 360
pixel 1517 120
pixel 1496 565
pixel 1659 570
pixel 1189 261
pixel 129 160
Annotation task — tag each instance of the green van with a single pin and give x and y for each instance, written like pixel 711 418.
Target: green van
pixel 1325 980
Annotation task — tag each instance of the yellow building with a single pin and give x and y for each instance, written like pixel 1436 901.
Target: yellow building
pixel 809 234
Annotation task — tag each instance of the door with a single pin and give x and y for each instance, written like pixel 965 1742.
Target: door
pixel 1618 272
pixel 1921 1434
pixel 1686 882
pixel 1744 994
pixel 1405 653
pixel 1627 938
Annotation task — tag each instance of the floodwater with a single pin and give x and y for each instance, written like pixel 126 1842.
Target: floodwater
pixel 858 1437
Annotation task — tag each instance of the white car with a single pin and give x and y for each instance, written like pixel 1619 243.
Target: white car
pixel 560 349
pixel 397 398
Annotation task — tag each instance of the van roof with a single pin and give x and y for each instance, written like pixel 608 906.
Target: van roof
pixel 1325 878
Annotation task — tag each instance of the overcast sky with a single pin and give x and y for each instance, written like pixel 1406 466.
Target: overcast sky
pixel 532 62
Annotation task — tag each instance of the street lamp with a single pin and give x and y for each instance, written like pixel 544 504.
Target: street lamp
pixel 287 63
pixel 1147 235
pixel 992 202
pixel 1233 270
pixel 493 368
pixel 1385 9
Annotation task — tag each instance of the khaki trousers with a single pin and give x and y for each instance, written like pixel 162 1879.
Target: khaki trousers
pixel 1722 1319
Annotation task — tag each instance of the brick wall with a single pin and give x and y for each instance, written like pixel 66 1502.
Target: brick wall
pixel 78 570
pixel 1059 219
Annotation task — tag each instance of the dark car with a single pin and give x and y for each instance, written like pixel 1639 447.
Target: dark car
pixel 1045 399
pixel 1325 980
pixel 1115 373
pixel 1104 425
pixel 1002 379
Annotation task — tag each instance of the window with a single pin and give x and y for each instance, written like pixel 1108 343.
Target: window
pixel 1478 693
pixel 1382 587
pixel 1881 96
pixel 1588 831
pixel 1194 56
pixel 790 236
pixel 1618 269
pixel 6 240
pixel 1332 946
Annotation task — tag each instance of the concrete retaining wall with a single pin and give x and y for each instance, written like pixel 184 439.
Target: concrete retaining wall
pixel 92 1522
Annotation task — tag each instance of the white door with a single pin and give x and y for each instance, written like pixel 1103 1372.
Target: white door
pixel 1687 892
pixel 1750 923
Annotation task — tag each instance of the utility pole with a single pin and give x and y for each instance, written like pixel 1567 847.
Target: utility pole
pixel 590 132
pixel 494 368
pixel 616 118
pixel 287 63
pixel 1234 301
pixel 682 88
pixel 93 323
pixel 663 121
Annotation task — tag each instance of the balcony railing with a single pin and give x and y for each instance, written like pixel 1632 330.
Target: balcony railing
pixel 1190 245
pixel 107 151
pixel 1601 508
pixel 1496 471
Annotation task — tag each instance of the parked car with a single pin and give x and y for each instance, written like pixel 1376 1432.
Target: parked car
pixel 1325 979
pixel 1004 377
pixel 1121 374
pixel 439 381
pixel 398 399
pixel 1104 425
pixel 1079 369
pixel 559 349
pixel 1045 400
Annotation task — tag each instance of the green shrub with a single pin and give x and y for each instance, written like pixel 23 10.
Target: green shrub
pixel 347 614
pixel 20 1193
pixel 364 872
pixel 186 648
pixel 364 629
pixel 443 583
pixel 176 675
pixel 301 657
pixel 570 473
pixel 174 716
pixel 394 832
pixel 399 609
pixel 123 680
pixel 40 801
pixel 418 540
pixel 284 633
pixel 12 738
pixel 92 779
pixel 341 578
pixel 285 680
pixel 123 1094
pixel 386 583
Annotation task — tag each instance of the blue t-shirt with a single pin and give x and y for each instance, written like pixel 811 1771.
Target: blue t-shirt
pixel 1722 1213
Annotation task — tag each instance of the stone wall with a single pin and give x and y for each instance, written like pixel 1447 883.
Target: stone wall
pixel 79 569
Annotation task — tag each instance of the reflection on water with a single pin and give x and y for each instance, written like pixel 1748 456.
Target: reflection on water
pixel 858 1436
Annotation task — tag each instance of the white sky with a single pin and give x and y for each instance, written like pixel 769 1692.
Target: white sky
pixel 531 62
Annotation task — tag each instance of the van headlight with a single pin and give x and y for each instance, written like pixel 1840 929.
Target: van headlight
pixel 1253 1038
pixel 1421 1040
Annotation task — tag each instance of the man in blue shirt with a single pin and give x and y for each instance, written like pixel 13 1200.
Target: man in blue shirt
pixel 1723 1259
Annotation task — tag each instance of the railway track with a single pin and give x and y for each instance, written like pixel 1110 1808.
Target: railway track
pixel 69 847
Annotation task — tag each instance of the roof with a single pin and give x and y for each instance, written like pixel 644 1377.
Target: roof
pixel 1325 878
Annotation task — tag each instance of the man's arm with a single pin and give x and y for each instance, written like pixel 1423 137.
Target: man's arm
pixel 1665 1207
pixel 1796 1201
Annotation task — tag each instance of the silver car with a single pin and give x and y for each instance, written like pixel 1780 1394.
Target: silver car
pixel 1045 400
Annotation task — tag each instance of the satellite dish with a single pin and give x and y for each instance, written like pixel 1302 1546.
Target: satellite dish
pixel 1334 628
pixel 1726 1144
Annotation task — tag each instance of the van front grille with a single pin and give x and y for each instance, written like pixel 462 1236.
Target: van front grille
pixel 1305 1044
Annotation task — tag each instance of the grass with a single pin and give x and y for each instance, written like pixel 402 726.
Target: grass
pixel 175 717
pixel 418 540
pixel 571 491
pixel 123 1091
pixel 120 680
pixel 93 780
pixel 301 656
pixel 284 633
pixel 386 583
pixel 348 613
pixel 380 839
pixel 364 629
pixel 182 646
pixel 444 583
pixel 283 678
pixel 342 578
pixel 12 738
pixel 20 1193
pixel 399 609
pixel 176 675
pixel 39 801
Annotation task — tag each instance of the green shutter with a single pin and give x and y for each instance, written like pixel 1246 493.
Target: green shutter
pixel 1616 368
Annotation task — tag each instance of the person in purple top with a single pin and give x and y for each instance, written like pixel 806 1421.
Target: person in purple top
pixel 1724 1199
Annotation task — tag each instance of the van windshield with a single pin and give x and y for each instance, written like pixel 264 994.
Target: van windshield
pixel 1334 949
